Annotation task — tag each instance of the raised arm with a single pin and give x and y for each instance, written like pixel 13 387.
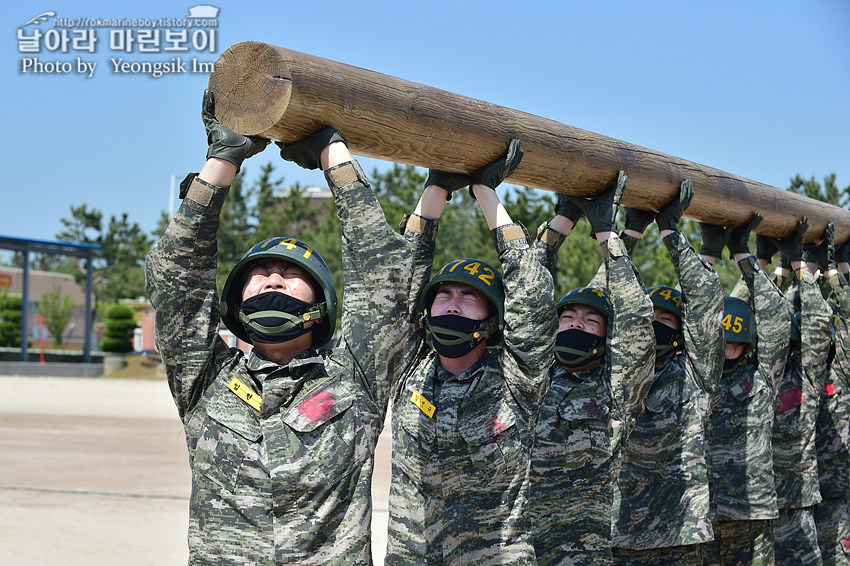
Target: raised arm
pixel 180 269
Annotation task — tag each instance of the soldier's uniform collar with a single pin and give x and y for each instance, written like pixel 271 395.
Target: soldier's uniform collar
pixel 443 375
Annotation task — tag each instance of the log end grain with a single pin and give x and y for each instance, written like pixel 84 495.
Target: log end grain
pixel 252 88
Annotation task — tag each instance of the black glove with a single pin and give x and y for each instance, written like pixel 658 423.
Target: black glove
pixel 842 253
pixel 792 246
pixel 493 174
pixel 601 210
pixel 638 220
pixel 669 216
pixel 714 239
pixel 765 248
pixel 824 253
pixel 739 235
pixel 568 209
pixel 450 182
pixel 224 143
pixel 783 262
pixel 307 152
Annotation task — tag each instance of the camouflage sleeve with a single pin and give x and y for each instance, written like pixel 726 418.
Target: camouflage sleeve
pixel 815 332
pixel 631 339
pixel 530 317
pixel 840 301
pixel 421 235
pixel 840 295
pixel 180 283
pixel 377 269
pixel 773 323
pixel 546 245
pixel 702 311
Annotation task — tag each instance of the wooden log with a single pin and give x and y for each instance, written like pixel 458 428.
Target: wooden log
pixel 284 95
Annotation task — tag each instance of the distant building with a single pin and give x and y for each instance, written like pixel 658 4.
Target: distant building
pixel 40 282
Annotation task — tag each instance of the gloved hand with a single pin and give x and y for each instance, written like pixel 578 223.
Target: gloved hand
pixel 307 152
pixel 792 246
pixel 601 210
pixel 493 174
pixel 739 235
pixel 637 219
pixel 224 143
pixel 451 182
pixel 568 209
pixel 714 239
pixel 824 253
pixel 669 216
pixel 765 248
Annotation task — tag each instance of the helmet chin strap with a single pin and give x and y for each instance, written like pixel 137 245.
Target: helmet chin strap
pixel 437 333
pixel 291 321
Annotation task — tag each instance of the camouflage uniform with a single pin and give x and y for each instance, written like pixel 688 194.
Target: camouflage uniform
pixel 740 455
pixel 833 440
pixel 662 491
pixel 459 489
pixel 585 418
pixel 794 454
pixel 288 482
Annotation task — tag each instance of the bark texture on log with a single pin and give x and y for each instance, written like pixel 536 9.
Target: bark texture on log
pixel 284 95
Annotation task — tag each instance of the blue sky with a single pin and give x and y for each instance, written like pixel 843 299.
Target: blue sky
pixel 760 89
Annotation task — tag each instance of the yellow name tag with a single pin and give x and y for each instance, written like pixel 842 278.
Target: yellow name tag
pixel 423 404
pixel 244 393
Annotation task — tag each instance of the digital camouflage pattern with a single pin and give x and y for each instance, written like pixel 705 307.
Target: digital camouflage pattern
pixel 795 537
pixel 794 453
pixel 585 418
pixel 288 483
pixel 459 488
pixel 740 543
pixel 740 454
pixel 832 521
pixel 663 498
pixel 833 439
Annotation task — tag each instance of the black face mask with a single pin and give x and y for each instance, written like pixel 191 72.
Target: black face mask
pixel 729 366
pixel 667 340
pixel 454 336
pixel 273 317
pixel 575 348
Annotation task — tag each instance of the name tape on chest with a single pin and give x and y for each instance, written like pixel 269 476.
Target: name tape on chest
pixel 243 392
pixel 424 405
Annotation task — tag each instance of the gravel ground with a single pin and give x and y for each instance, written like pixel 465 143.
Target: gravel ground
pixel 95 472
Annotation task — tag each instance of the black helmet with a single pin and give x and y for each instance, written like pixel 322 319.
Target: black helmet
pixel 477 274
pixel 666 298
pixel 293 251
pixel 590 296
pixel 739 321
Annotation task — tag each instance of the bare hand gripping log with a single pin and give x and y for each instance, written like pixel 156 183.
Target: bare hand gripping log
pixel 284 95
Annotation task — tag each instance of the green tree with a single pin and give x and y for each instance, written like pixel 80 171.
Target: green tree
pixel 120 325
pixel 57 310
pixel 11 313
pixel 828 192
pixel 236 232
pixel 118 271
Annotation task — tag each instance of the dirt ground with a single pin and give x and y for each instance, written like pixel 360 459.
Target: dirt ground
pixel 95 472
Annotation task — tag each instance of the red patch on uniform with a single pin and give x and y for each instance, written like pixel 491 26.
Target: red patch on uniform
pixel 829 389
pixel 591 406
pixel 494 426
pixel 747 385
pixel 318 407
pixel 789 399
pixel 846 544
